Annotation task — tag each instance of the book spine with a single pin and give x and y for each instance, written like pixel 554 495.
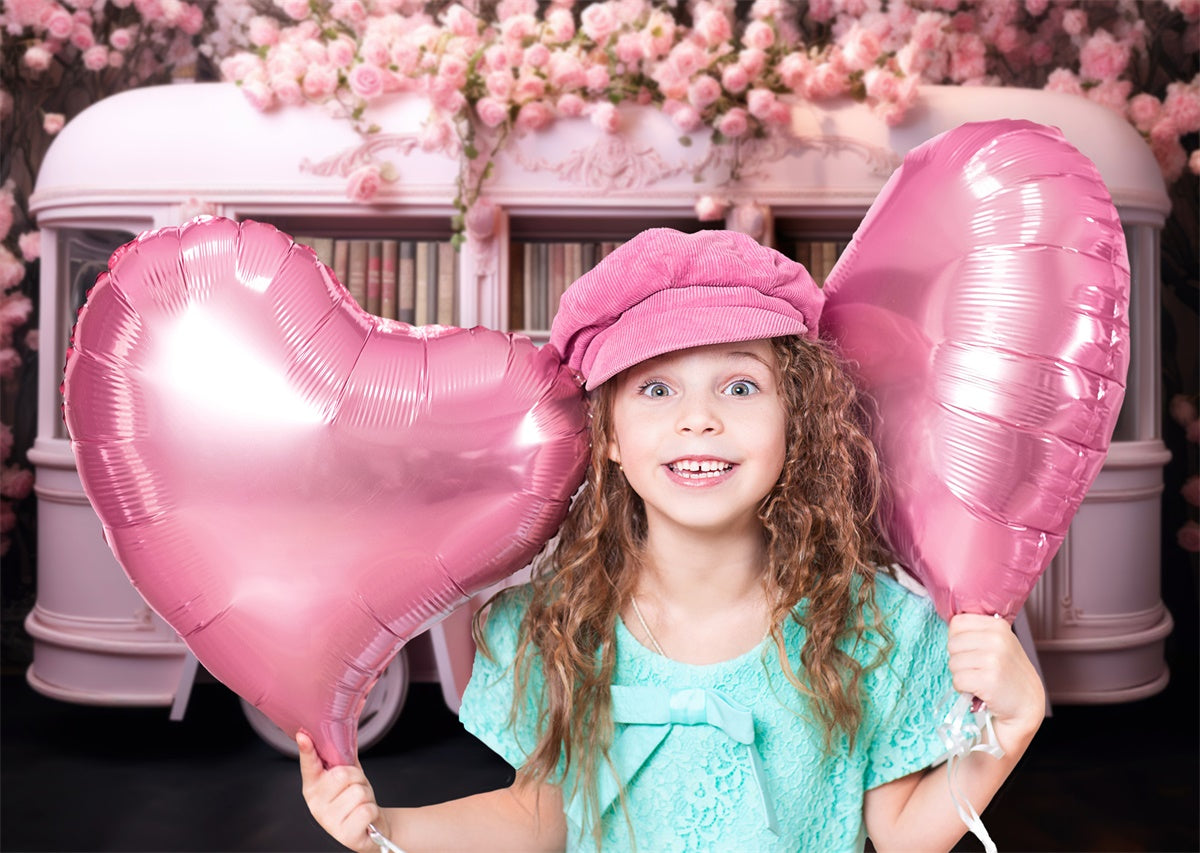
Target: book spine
pixel 375 277
pixel 407 312
pixel 391 279
pixel 358 272
pixel 421 301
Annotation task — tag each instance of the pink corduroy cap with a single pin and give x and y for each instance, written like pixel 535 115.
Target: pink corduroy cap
pixel 665 290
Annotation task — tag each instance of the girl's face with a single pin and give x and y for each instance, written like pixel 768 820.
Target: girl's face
pixel 701 434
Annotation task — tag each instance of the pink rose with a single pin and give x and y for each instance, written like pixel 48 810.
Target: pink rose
pixel 560 25
pixel 565 71
pixel 825 81
pixel 1102 57
pixel 1191 490
pixel 82 36
pixel 262 31
pixel 598 21
pixel 1167 150
pixel 537 55
pixel 686 117
pixel 1182 410
pixel 348 11
pixel 499 83
pixel 534 116
pixel 491 111
pixel 1063 80
pixel 365 183
pixel 366 81
pixel 297 10
pixel 734 78
pixel 733 124
pixel 968 58
pixel 341 52
pixel 1036 7
pixel 15 483
pixel 287 90
pixel 320 81
pixel 9 362
pixel 1113 94
pixel 605 116
pixel 713 26
pixel 1194 162
pixel 752 60
pixel 793 68
pixel 59 24
pixel 95 58
pixel 437 135
pixel 516 29
pixel 11 272
pixel 703 92
pixel 630 49
pixel 1074 21
pixel 766 9
pixel 453 70
pixel 6 212
pixel 529 88
pixel 511 8
pixel 37 58
pixel 30 244
pixel 658 35
pixel 760 103
pixel 1188 536
pixel 461 21
pixel 32 340
pixel 569 106
pixel 860 48
pixel 375 51
pixel 121 38
pixel 686 59
pixel 191 19
pixel 710 208
pixel 758 34
pixel 597 78
pixel 1182 105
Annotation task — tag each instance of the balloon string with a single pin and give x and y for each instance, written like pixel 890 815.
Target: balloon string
pixel 377 837
pixel 961 734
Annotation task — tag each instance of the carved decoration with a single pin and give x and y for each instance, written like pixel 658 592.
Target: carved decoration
pixel 347 162
pixel 612 163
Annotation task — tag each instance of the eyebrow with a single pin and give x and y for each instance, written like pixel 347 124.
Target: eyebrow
pixel 744 355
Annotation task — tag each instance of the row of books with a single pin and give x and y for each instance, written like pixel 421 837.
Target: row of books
pixel 539 272
pixel 413 281
pixel 818 256
pixel 416 281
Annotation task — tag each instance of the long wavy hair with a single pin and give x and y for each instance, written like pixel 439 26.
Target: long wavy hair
pixel 818 530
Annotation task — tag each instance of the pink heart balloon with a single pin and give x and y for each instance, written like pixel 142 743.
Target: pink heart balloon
pixel 983 305
pixel 296 486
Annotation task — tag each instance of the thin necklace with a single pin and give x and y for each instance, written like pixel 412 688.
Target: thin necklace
pixel 642 621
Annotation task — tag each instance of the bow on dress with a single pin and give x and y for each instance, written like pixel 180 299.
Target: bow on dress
pixel 648 713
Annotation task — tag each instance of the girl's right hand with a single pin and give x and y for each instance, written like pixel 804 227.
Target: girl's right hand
pixel 340 798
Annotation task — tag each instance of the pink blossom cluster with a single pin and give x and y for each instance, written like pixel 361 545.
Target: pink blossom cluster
pixel 16 481
pixel 521 69
pixel 99 35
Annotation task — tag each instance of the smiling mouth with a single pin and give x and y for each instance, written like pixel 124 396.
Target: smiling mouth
pixel 694 469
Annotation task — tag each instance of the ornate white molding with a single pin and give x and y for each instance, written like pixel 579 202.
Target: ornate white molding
pixel 612 162
pixel 348 161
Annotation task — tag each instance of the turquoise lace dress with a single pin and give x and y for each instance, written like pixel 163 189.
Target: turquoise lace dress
pixel 725 756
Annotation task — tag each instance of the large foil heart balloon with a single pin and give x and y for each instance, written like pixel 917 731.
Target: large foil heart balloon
pixel 983 305
pixel 296 486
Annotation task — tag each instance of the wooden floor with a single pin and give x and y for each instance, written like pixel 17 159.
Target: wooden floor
pixel 74 778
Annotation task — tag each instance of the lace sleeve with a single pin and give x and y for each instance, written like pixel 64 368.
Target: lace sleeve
pixel 487 703
pixel 907 692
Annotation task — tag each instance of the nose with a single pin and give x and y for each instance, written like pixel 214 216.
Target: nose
pixel 698 416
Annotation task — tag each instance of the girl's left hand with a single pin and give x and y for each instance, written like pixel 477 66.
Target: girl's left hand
pixel 988 662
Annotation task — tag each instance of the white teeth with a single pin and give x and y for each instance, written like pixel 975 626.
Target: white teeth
pixel 695 469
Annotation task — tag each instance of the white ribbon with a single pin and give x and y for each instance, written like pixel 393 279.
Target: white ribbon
pixel 961 734
pixel 385 846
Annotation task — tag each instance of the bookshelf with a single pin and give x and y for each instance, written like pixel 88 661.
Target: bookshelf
pixel 558 201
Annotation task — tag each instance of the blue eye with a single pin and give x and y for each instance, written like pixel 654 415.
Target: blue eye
pixel 741 388
pixel 655 389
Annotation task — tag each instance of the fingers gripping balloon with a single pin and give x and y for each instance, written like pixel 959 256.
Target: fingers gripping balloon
pixel 296 486
pixel 983 302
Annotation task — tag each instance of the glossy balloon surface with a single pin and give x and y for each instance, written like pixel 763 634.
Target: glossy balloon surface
pixel 983 304
pixel 299 487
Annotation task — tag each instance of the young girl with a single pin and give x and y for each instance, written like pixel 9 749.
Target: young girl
pixel 710 657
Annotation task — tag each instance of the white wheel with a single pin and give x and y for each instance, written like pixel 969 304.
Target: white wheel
pixel 379 713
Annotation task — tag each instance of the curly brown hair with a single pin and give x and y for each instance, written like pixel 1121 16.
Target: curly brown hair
pixel 818 529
